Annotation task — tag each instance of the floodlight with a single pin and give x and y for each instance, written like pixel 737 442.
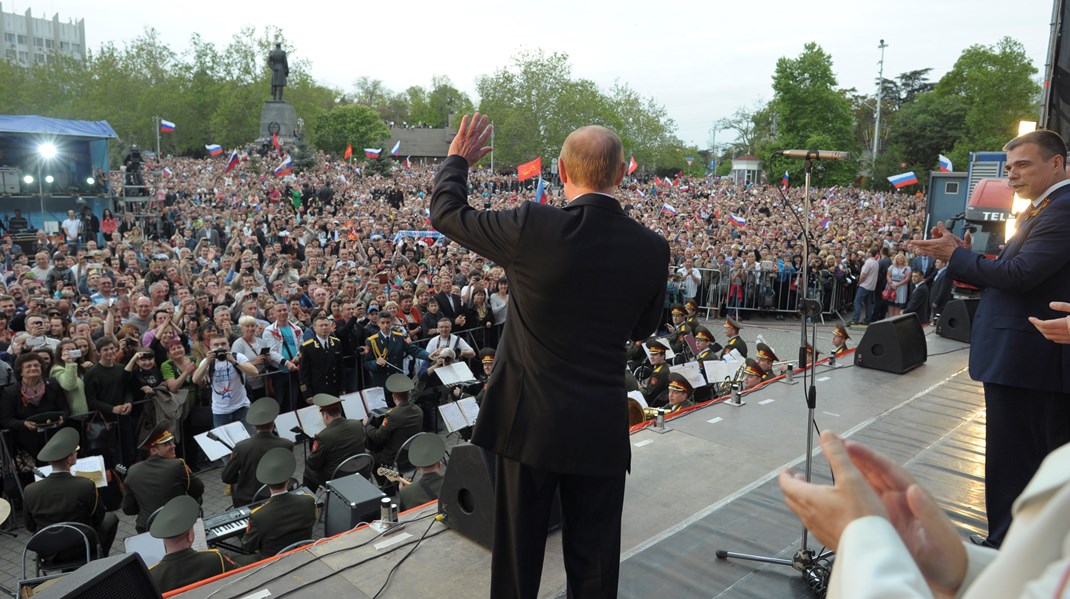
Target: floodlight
pixel 28 179
pixel 49 178
pixel 47 150
pixel 90 181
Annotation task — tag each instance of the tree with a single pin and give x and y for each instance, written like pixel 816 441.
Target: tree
pixel 347 124
pixel 444 101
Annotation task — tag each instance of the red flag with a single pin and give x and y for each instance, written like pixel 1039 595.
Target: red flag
pixel 529 169
pixel 275 142
pixel 657 181
pixel 349 152
pixel 632 165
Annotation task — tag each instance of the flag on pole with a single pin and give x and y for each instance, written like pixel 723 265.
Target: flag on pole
pixel 167 172
pixel 784 181
pixel 373 152
pixel 275 142
pixel 529 169
pixel 738 221
pixel 903 179
pixel 233 162
pixel 825 222
pixel 349 152
pixel 167 126
pixel 667 208
pixel 214 149
pixel 632 165
pixel 945 164
pixel 285 168
pixel 541 197
pixel 657 181
pixel 407 164
pixel 397 148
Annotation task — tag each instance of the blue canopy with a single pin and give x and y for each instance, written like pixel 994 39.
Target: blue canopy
pixel 32 124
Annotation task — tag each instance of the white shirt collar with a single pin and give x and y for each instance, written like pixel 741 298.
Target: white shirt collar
pixel 1049 191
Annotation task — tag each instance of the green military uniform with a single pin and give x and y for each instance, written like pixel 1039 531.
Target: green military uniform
pixel 341 439
pixel 656 386
pixel 734 340
pixel 321 367
pixel 767 353
pixel 394 349
pixel 152 483
pixel 425 488
pixel 283 519
pixel 679 383
pixel 240 470
pixel 185 566
pixel 400 423
pixel 840 332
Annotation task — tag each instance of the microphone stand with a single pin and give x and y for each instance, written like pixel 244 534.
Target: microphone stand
pixel 814 567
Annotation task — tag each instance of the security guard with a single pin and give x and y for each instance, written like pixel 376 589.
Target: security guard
pixel 752 374
pixel 386 350
pixel 240 470
pixel 679 392
pixel 63 497
pixel 321 361
pixel 731 330
pixel 402 421
pixel 765 359
pixel 340 439
pixel 658 383
pixel 426 454
pixel 182 565
pixel 286 517
pixel 839 340
pixel 152 483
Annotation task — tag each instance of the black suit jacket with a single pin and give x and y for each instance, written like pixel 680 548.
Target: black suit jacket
pixel 919 302
pixel 940 292
pixel 445 305
pixel 583 279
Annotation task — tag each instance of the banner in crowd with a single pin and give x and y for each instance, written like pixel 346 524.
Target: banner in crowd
pixel 903 179
pixel 433 235
pixel 529 169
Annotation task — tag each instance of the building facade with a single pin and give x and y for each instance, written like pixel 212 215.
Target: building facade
pixel 30 40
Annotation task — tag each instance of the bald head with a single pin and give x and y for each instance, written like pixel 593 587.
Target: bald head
pixel 592 159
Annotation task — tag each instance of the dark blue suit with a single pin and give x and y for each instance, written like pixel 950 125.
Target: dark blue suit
pixel 1026 377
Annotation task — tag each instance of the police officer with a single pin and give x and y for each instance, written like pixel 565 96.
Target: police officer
pixel 340 439
pixel 386 350
pixel 152 483
pixel 182 565
pixel 240 470
pixel 402 421
pixel 321 361
pixel 731 330
pixel 765 359
pixel 658 383
pixel 426 454
pixel 63 497
pixel 839 340
pixel 285 518
pixel 752 374
pixel 680 391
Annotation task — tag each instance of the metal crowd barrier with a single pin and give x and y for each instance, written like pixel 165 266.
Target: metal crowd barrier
pixel 737 291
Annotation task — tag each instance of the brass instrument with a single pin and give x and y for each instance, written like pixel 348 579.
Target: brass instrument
pixel 725 387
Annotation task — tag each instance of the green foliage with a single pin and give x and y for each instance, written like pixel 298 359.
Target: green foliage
pixel 383 165
pixel 354 124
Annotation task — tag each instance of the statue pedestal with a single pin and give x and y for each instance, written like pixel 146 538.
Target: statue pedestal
pixel 278 116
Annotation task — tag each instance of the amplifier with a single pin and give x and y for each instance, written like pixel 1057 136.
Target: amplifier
pixel 350 501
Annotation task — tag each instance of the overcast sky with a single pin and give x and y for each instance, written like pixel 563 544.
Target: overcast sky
pixel 700 59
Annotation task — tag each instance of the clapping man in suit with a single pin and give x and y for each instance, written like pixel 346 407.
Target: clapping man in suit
pixel 940 291
pixel 577 448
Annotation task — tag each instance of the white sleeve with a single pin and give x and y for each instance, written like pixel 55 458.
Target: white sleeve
pixel 873 563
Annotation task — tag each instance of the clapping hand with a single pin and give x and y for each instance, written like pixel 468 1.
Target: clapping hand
pixel 1055 329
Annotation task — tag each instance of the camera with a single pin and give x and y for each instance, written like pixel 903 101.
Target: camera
pixel 220 354
pixel 265 351
pixel 74 353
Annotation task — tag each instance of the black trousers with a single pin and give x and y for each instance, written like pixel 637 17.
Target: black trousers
pixel 591 509
pixel 1022 427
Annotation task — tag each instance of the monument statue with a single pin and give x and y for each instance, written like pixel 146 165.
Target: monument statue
pixel 280 69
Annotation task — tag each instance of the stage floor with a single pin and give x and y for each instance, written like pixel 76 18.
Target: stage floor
pixel 708 484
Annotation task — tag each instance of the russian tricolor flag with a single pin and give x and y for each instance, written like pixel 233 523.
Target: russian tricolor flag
pixel 738 221
pixel 945 164
pixel 397 148
pixel 667 208
pixel 167 126
pixel 285 168
pixel 167 172
pixel 903 179
pixel 214 149
pixel 541 197
pixel 825 222
pixel 233 162
pixel 784 181
pixel 373 152
pixel 407 164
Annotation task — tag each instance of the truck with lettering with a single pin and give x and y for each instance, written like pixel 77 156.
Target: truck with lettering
pixel 987 212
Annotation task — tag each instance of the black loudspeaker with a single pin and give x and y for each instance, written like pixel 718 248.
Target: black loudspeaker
pixel 467 495
pixel 117 576
pixel 895 344
pixel 956 322
pixel 350 501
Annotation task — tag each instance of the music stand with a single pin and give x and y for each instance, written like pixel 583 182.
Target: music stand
pixel 452 376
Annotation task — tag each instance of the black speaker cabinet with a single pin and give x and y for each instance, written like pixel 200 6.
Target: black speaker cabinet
pixel 350 501
pixel 895 344
pixel 117 576
pixel 467 495
pixel 956 322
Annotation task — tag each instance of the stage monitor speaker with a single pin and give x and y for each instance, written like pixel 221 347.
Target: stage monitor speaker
pixel 467 495
pixel 895 344
pixel 956 322
pixel 117 576
pixel 350 501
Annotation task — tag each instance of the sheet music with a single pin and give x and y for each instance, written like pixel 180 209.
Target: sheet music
pixel 200 536
pixel 353 405
pixel 717 371
pixel 374 397
pixel 285 422
pixel 455 374
pixel 469 408
pixel 669 354
pixel 734 356
pixel 91 467
pixel 311 421
pixel 638 396
pixel 452 416
pixel 691 372
pixel 231 433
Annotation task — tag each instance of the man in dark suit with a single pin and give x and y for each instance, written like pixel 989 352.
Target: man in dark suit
pixel 919 297
pixel 450 303
pixel 240 470
pixel 588 272
pixel 1027 416
pixel 926 266
pixel 940 292
pixel 151 484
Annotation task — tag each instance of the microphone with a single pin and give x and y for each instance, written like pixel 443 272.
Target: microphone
pixel 815 154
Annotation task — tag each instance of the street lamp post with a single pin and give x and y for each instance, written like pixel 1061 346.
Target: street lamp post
pixel 877 121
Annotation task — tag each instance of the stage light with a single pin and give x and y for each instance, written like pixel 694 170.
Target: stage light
pixel 1026 127
pixel 28 179
pixel 47 151
pixel 90 181
pixel 49 179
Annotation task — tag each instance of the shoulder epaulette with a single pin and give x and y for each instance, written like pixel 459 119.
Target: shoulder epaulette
pixel 307 342
pixel 397 333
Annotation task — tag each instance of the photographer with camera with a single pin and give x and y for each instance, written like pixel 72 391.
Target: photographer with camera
pixel 225 372
pixel 260 354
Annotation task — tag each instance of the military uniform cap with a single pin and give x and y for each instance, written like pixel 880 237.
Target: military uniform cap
pixel 399 383
pixel 704 334
pixel 161 433
pixel 678 309
pixel 263 411
pixel 276 466
pixel 680 383
pixel 426 449
pixel 691 304
pixel 753 368
pixel 61 445
pixel 728 322
pixel 656 347
pixel 325 400
pixel 764 351
pixel 842 332
pixel 486 355
pixel 175 517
